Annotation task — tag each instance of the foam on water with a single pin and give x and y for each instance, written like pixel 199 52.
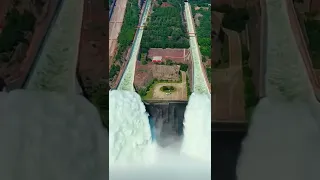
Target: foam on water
pixel 197 127
pixel 283 141
pixel 130 139
pixel 170 166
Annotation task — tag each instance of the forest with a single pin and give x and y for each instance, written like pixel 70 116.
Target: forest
pixel 17 24
pixel 202 3
pixel 204 30
pixel 128 29
pixel 165 28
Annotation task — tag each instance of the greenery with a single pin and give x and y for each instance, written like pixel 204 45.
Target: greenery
pixel 209 73
pixel 16 25
pixel 313 32
pixel 236 19
pixel 204 31
pixel 188 87
pixel 183 67
pixel 225 8
pixel 130 22
pixel 223 62
pixel 250 96
pixel 201 3
pixel 100 99
pixel 167 89
pixel 165 29
pixel 113 71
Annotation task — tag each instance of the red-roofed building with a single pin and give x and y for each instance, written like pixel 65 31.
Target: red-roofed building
pixel 176 55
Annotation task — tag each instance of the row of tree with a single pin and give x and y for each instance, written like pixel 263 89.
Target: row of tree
pixel 165 29
pixel 16 24
pixel 313 32
pixel 130 22
pixel 204 31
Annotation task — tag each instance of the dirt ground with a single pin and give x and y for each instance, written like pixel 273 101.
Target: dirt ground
pixel 179 94
pixel 20 71
pixel 115 25
pixel 93 54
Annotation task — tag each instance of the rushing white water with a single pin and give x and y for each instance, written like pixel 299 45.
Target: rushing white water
pixel 283 141
pixel 197 127
pixel 47 135
pixel 130 140
pixel 170 167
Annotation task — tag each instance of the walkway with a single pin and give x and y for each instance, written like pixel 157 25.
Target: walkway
pixel 115 25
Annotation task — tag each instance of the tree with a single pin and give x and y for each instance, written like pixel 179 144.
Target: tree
pixel 236 20
pixel 183 67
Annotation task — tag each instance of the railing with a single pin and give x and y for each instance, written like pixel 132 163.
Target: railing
pixel 302 45
pixel 112 8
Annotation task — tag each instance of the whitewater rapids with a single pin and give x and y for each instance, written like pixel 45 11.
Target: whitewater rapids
pixel 283 142
pixel 197 128
pixel 130 139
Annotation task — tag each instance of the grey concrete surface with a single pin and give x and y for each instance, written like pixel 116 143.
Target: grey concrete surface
pixel 50 136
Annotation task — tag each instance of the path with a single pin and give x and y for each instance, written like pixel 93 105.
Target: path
pixel 115 25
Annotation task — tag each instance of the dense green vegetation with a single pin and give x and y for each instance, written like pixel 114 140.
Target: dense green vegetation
pixel 188 87
pixel 183 67
pixel 113 71
pixel 204 31
pixel 128 29
pixel 16 25
pixel 99 97
pixel 234 19
pixel 313 32
pixel 165 28
pixel 209 73
pixel 167 89
pixel 202 3
pixel 223 62
pixel 250 96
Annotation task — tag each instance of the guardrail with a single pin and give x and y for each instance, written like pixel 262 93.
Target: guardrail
pixel 112 8
pixel 302 45
pixel 263 48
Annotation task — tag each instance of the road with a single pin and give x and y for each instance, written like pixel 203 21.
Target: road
pixel 200 82
pixel 115 25
pixel 286 74
pixel 55 69
pixel 126 82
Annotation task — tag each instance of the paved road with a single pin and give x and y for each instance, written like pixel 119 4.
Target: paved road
pixel 115 25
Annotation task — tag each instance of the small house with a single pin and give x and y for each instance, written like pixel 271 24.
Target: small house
pixel 157 59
